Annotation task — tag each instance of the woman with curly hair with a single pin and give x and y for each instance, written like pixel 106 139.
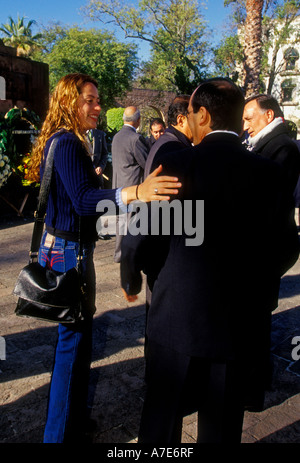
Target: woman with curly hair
pixel 74 193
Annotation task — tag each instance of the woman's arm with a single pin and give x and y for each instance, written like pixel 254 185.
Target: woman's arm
pixel 146 191
pixel 72 166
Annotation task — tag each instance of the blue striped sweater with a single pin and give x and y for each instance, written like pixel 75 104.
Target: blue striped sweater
pixel 74 190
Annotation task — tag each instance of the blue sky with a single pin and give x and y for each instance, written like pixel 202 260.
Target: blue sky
pixel 68 12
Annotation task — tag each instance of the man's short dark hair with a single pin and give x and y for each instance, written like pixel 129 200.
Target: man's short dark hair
pixel 224 101
pixel 178 106
pixel 266 102
pixel 155 121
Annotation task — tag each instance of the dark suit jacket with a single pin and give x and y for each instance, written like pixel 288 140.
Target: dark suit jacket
pixel 215 300
pixel 129 154
pixel 279 147
pixel 297 189
pixel 171 140
pixel 150 141
pixel 100 152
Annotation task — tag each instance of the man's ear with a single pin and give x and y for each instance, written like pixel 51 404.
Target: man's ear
pixel 204 117
pixel 180 119
pixel 270 115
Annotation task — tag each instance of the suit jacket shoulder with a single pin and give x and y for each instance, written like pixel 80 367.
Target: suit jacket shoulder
pixel 168 142
pixel 129 154
pixel 280 148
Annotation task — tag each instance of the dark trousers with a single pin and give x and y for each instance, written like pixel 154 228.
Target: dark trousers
pixel 178 385
pixel 121 230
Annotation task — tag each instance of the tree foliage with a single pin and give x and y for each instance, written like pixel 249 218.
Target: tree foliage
pixel 175 30
pixel 97 53
pixel 227 55
pixel 114 118
pixel 19 35
pixel 50 35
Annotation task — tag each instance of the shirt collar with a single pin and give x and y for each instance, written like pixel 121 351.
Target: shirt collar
pixel 222 131
pixel 131 126
pixel 265 131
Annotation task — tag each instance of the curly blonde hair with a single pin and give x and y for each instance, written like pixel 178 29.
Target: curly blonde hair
pixel 62 114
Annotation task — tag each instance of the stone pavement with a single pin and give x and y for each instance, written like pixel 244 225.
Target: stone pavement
pixel 118 365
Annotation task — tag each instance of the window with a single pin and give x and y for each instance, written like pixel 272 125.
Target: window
pixel 291 56
pixel 287 87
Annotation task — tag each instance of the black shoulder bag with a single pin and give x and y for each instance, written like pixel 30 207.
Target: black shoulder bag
pixel 42 292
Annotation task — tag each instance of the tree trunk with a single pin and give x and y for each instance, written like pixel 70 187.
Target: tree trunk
pixel 272 73
pixel 252 46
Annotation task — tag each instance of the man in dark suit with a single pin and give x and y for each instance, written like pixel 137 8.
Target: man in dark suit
pixel 177 135
pixel 269 136
pixel 209 321
pixel 99 152
pixel 129 153
pixel 157 129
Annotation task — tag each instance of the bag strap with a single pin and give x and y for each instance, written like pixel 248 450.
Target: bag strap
pixel 40 213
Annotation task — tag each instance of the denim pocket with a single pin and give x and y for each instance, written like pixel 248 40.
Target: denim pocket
pixel 61 256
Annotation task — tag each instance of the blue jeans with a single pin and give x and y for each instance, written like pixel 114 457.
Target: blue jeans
pixel 67 401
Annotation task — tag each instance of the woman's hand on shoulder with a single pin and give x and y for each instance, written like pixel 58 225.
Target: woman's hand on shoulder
pixel 158 187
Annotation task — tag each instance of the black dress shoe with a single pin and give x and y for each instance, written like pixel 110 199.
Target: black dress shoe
pixel 104 237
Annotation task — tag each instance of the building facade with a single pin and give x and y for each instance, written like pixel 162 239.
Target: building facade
pixel 286 86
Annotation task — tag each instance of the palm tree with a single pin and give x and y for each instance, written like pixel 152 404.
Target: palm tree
pixel 19 36
pixel 252 46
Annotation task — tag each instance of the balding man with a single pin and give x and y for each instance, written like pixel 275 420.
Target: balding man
pixel 129 154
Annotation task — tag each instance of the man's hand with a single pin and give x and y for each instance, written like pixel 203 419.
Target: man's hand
pixel 98 170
